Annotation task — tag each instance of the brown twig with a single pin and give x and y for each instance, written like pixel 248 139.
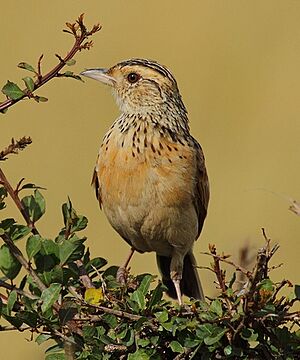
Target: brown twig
pixel 15 146
pixel 15 197
pixel 222 258
pixel 19 291
pixel 220 274
pixel 80 37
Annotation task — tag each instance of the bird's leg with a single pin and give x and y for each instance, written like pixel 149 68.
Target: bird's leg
pixel 122 271
pixel 176 269
pixel 178 291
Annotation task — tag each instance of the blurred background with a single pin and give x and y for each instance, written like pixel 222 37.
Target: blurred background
pixel 237 66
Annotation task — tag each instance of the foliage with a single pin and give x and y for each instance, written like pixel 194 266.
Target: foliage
pixel 61 294
pixel 82 305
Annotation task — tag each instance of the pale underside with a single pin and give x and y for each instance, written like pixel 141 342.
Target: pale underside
pixel 154 191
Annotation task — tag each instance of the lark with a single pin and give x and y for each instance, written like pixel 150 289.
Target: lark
pixel 150 175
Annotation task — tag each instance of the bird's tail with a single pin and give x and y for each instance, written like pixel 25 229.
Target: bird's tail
pixel 190 284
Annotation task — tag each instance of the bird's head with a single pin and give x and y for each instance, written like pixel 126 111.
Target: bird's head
pixel 140 86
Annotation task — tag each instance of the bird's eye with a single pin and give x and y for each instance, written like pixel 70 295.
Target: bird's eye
pixel 133 78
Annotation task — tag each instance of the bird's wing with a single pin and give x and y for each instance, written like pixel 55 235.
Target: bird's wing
pixel 96 184
pixel 201 188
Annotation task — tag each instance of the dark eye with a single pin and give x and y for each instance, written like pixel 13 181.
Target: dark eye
pixel 133 78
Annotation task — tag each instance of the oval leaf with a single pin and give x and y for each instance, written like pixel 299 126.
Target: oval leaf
pixel 12 91
pixel 29 83
pixel 49 296
pixel 24 65
pixel 9 265
pixel 33 245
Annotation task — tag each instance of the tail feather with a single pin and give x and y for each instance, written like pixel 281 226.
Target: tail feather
pixel 190 284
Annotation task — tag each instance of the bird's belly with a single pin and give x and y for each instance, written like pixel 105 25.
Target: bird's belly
pixel 148 199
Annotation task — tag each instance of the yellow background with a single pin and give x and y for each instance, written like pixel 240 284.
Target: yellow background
pixel 237 65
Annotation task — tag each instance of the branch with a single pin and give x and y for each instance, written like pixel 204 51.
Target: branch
pixel 15 197
pixel 15 146
pixel 80 33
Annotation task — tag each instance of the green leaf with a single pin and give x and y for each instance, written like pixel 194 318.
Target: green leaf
pixel 162 316
pixel 54 349
pixel 3 195
pixel 228 350
pixel 13 320
pixel 71 62
pixel 70 74
pixel 267 285
pixel 96 263
pixel 49 296
pixel 297 291
pixel 3 111
pixel 216 307
pixel 42 338
pixel 205 330
pixel 24 65
pixel 7 223
pixel 145 284
pixel 17 231
pixel 35 205
pixel 111 320
pixel 11 301
pixel 249 334
pixel 56 356
pixel 143 342
pixel 12 91
pixel 140 354
pixel 33 245
pixel 9 265
pixel 38 98
pixel 66 249
pixel 232 281
pixel 48 257
pixel 80 223
pixel 31 186
pixel 40 201
pixel 176 347
pixel 29 83
pixel 156 296
pixel 215 336
pixel 138 297
pixel 28 317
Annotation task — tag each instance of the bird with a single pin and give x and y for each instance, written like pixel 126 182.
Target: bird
pixel 150 175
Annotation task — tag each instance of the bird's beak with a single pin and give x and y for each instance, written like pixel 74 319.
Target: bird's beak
pixel 99 75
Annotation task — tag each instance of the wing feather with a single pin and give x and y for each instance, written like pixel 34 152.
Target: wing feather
pixel 201 188
pixel 96 184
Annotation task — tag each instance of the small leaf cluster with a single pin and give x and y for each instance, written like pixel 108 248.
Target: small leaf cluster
pixel 79 305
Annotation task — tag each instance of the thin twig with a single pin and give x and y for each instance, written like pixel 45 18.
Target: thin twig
pixel 239 268
pixel 14 195
pixel 14 147
pixel 19 291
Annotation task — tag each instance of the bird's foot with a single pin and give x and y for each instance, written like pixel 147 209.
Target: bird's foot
pixel 122 275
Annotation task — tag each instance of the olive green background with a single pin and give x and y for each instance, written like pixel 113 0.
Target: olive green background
pixel 237 66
